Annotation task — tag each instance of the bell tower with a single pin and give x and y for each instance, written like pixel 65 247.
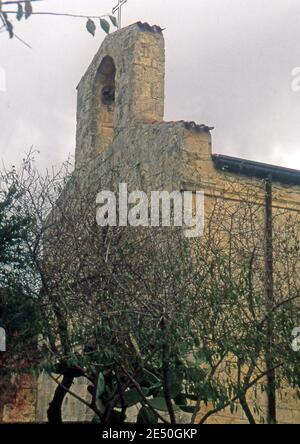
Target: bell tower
pixel 123 86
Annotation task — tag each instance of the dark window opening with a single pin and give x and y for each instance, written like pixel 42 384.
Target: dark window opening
pixel 106 79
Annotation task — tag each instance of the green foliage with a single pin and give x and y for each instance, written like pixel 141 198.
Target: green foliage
pixel 132 397
pixel 20 12
pixel 187 408
pixel 113 20
pixel 159 403
pixel 28 9
pixel 105 25
pixel 13 231
pixel 151 378
pixel 96 420
pixel 24 9
pixel 100 386
pixel 146 416
pixel 91 27
pixel 19 312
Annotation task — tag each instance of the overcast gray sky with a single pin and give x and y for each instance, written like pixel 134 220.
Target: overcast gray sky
pixel 228 64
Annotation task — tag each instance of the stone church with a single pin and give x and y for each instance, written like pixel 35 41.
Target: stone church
pixel 121 128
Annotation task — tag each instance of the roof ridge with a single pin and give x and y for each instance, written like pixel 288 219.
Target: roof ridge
pixel 146 27
pixel 188 124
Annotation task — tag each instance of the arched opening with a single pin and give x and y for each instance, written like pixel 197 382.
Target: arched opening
pixel 106 76
pixel 104 106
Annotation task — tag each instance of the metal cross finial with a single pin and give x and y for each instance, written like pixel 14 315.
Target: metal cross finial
pixel 119 9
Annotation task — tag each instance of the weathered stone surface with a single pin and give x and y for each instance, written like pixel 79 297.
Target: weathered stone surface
pixel 21 407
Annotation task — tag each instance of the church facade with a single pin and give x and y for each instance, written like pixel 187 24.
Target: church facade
pixel 122 138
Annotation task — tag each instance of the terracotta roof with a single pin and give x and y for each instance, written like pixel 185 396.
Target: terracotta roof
pixel 197 126
pixel 188 125
pixel 147 27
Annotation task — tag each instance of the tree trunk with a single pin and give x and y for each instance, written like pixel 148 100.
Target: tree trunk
pixel 247 410
pixel 271 375
pixel 54 411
